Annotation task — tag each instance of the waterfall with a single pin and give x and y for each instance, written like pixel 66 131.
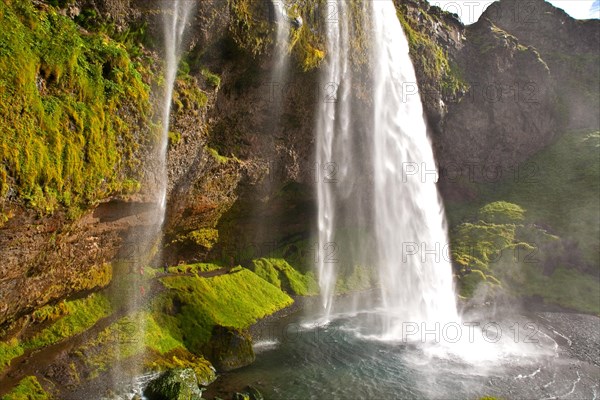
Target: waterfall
pixel 280 69
pixel 332 124
pixel 177 14
pixel 384 181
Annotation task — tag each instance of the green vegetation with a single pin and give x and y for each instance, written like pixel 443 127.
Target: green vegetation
pixel 560 188
pixel 193 268
pixel 206 237
pixel 8 350
pixel 193 306
pixel 65 99
pixel 501 212
pixel 218 157
pixel 124 339
pixel 181 358
pixel 71 318
pixel 174 138
pixel 549 251
pixel 430 57
pixel 188 95
pixel 213 80
pixel 250 26
pixel 361 278
pixel 278 272
pixel 493 39
pixel 28 389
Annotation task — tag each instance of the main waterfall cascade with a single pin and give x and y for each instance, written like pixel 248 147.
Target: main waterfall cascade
pixel 400 212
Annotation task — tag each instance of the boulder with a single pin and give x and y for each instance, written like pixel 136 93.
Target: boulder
pixel 229 349
pixel 175 384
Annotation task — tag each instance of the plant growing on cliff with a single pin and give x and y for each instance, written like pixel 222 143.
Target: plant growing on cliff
pixel 430 57
pixel 65 101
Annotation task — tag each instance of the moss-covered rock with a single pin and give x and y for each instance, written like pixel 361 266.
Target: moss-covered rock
pixel 175 384
pixel 229 348
pixel 281 274
pixel 28 389
pixel 193 306
pixel 501 212
pixel 67 100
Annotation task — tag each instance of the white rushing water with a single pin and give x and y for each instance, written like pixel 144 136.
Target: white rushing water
pixel 332 123
pixel 282 43
pixel 399 208
pixel 176 17
pixel 130 291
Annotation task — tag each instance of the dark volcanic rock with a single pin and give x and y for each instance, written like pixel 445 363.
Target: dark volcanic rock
pixel 229 349
pixel 509 111
pixel 570 47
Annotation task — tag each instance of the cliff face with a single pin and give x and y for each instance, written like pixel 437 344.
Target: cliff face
pixel 569 47
pixel 494 93
pixel 525 73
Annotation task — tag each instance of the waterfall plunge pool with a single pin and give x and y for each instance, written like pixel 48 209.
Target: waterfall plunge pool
pixel 533 356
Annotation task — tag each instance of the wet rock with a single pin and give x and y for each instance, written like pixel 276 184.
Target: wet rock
pixel 175 384
pixel 230 349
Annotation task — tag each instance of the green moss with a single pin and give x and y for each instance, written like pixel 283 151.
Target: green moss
pixel 216 156
pixel 501 212
pixel 8 350
pixel 28 389
pixel 560 190
pixel 280 273
pixel 249 25
pixel 431 58
pixel 81 315
pixel 470 282
pixel 476 244
pixel 64 139
pixel 71 318
pixel 181 358
pixel 174 138
pixel 130 336
pixel 188 95
pixel 204 237
pixel 193 268
pixel 193 306
pixel 359 278
pixel 213 80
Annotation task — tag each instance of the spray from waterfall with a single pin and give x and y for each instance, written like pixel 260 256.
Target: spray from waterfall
pixel 373 146
pixel 265 234
pixel 131 287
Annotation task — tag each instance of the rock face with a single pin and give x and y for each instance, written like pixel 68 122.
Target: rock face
pixel 525 73
pixel 175 384
pixel 241 155
pixel 568 46
pixel 509 111
pixel 229 349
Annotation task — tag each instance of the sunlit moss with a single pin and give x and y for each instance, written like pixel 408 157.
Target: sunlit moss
pixel 281 274
pixel 192 306
pixel 28 389
pixel 70 318
pixel 62 99
pixel 430 57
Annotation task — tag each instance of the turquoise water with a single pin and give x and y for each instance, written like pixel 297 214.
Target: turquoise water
pixel 341 360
